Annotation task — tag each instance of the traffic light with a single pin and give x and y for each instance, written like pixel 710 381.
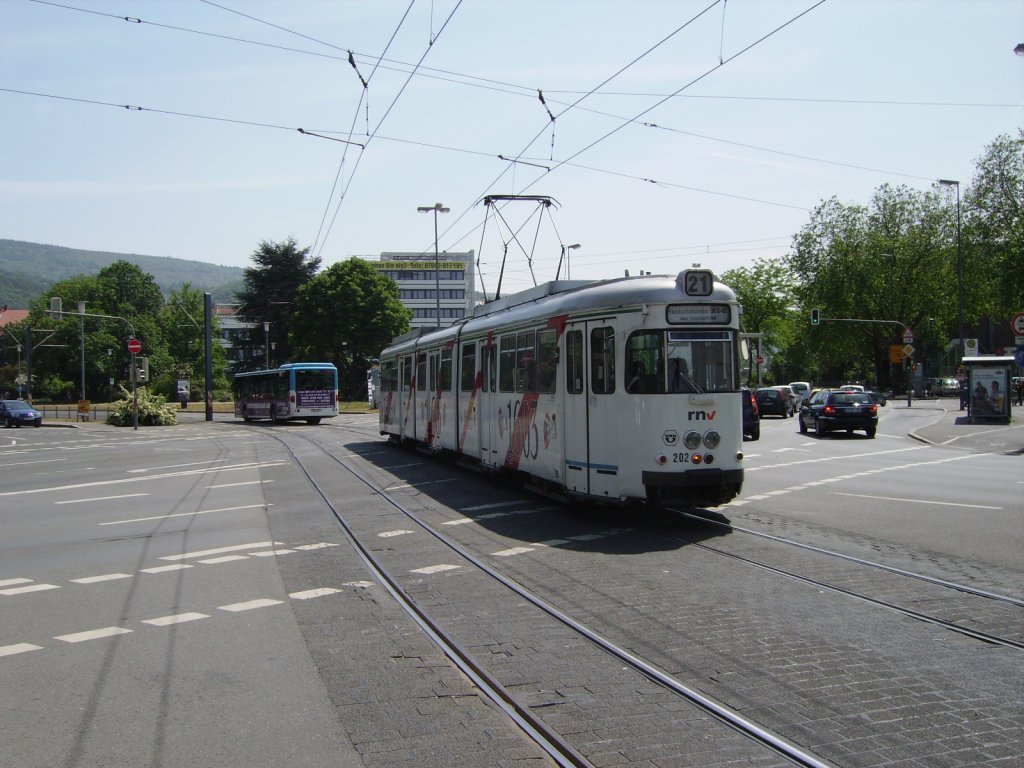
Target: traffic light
pixel 815 316
pixel 141 370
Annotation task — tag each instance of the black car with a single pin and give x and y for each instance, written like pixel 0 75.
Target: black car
pixel 751 415
pixel 14 413
pixel 771 401
pixel 839 409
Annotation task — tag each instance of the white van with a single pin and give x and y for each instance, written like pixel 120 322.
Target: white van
pixel 801 389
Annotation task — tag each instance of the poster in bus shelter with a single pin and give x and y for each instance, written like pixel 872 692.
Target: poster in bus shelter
pixel 990 392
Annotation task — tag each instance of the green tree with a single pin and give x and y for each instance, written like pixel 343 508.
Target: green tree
pixel 993 230
pixel 182 322
pixel 766 292
pixel 270 290
pixel 121 290
pixel 346 315
pixel 886 265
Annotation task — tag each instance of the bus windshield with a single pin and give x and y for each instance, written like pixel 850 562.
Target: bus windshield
pixel 316 378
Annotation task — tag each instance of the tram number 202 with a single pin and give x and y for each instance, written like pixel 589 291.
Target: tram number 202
pixel 680 458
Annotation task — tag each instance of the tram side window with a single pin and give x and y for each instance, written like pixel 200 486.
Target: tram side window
pixel 407 369
pixel 388 377
pixel 490 360
pixel 421 372
pixel 645 363
pixel 446 370
pixel 507 364
pixel 433 372
pixel 467 371
pixel 574 362
pixel 547 360
pixel 602 361
pixel 526 362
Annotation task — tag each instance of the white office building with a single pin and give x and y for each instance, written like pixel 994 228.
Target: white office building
pixel 426 288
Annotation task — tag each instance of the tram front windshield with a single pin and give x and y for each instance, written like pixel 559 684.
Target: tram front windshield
pixel 660 362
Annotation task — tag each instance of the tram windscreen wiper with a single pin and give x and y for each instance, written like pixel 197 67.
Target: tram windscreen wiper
pixel 681 381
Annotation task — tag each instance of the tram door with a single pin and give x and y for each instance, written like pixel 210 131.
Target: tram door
pixel 591 464
pixel 486 402
pixel 431 415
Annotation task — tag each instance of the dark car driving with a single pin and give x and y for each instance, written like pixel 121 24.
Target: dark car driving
pixel 751 415
pixel 770 401
pixel 14 413
pixel 839 409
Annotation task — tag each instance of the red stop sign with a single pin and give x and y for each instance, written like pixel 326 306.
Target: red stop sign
pixel 134 346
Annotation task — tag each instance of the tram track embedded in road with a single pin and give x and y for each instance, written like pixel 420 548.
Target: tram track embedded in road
pixel 949 625
pixel 548 739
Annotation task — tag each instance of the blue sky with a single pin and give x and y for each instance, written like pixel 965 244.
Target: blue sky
pixel 680 135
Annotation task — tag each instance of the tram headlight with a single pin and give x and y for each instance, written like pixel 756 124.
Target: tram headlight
pixel 712 439
pixel 691 440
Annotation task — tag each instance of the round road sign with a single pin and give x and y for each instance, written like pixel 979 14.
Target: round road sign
pixel 134 346
pixel 1018 324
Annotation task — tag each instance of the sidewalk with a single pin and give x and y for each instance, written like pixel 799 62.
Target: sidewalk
pixel 952 428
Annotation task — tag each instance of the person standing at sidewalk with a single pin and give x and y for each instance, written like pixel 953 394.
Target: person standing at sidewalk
pixel 1020 391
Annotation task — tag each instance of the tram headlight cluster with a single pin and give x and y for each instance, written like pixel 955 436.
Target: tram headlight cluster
pixel 693 440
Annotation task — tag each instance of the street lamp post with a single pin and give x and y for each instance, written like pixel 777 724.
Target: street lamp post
pixel 959 268
pixel 81 316
pixel 565 256
pixel 436 208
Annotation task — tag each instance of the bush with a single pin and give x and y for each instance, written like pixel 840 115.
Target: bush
pixel 154 410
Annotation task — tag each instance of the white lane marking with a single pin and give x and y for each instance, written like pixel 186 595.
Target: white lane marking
pixel 164 476
pixel 177 618
pixel 494 505
pixel 102 498
pixel 513 551
pixel 460 521
pixel 249 605
pixel 92 634
pixel 419 485
pixel 235 485
pixel 271 552
pixel 311 593
pixel 105 577
pixel 222 550
pixel 12 582
pixel 360 584
pixel 916 501
pixel 186 514
pixel 318 545
pixel 435 568
pixel 223 559
pixel 10 650
pixel 29 588
pixel 169 466
pixel 166 568
pixel 390 534
pixel 23 463
pixel 551 543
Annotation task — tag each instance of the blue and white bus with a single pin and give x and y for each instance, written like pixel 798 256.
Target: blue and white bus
pixel 306 391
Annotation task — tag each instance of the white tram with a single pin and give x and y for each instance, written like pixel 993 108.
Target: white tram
pixel 619 390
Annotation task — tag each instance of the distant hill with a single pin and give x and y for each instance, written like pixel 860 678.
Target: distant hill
pixel 27 270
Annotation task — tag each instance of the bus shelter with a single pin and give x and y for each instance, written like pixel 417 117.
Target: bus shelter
pixel 988 382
